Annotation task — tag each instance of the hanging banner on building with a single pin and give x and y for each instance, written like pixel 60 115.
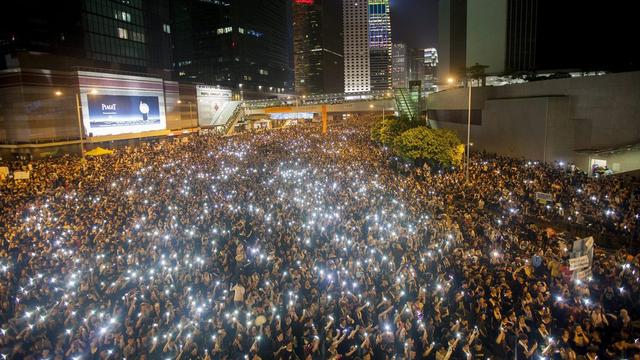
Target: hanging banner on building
pixel 119 114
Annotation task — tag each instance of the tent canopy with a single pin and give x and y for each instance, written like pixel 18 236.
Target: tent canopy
pixel 98 152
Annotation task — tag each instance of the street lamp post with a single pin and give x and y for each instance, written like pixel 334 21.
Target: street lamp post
pixel 79 118
pixel 468 135
pixel 466 165
pixel 371 106
pixel 80 125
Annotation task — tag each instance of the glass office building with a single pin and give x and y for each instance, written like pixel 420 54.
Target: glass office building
pixel 241 44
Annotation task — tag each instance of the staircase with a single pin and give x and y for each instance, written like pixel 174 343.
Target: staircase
pixel 222 117
pixel 406 104
pixel 233 119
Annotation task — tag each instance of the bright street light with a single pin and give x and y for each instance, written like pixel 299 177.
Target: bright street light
pixel 79 117
pixel 450 80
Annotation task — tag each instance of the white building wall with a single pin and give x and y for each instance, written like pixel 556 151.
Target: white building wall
pixel 552 120
pixel 357 73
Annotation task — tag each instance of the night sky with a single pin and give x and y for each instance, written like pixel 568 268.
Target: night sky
pixel 415 22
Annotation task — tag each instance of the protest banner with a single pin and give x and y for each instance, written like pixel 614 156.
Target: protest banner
pixel 19 175
pixel 544 197
pixel 583 274
pixel 579 262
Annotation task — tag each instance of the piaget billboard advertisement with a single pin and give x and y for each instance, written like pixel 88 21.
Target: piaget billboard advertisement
pixel 119 114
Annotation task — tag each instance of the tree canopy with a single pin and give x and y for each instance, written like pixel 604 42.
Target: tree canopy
pixel 441 146
pixel 388 129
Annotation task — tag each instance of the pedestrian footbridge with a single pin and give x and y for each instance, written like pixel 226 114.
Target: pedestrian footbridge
pixel 398 101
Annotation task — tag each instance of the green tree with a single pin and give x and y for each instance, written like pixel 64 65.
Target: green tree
pixel 388 129
pixel 477 72
pixel 441 146
pixel 375 131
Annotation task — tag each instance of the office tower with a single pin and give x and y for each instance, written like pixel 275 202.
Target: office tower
pixel 357 76
pixel 527 36
pixel 123 35
pixel 430 65
pixel 416 64
pixel 380 46
pixel 317 46
pixel 401 66
pixel 452 42
pixel 241 44
pixel 431 57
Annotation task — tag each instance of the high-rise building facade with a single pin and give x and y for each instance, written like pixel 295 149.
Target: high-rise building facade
pixel 380 46
pixel 133 35
pixel 357 75
pixel 411 65
pixel 431 57
pixel 452 38
pixel 521 29
pixel 416 64
pixel 430 65
pixel 401 66
pixel 241 44
pixel 317 46
pixel 527 36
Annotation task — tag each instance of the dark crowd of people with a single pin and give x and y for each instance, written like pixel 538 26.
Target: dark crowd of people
pixel 288 244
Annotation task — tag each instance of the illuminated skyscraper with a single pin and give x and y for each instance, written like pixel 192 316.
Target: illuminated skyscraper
pixel 357 77
pixel 430 64
pixel 380 47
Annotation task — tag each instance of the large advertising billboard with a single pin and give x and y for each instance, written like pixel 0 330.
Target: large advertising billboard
pixel 212 103
pixel 118 114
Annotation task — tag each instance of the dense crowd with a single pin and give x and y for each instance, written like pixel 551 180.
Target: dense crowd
pixel 289 244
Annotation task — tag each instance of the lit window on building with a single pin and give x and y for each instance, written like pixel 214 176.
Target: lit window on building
pixel 255 33
pixel 166 28
pixel 137 36
pixel 123 33
pixel 123 16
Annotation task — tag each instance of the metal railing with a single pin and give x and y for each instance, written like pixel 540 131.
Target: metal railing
pixel 233 119
pixel 404 104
